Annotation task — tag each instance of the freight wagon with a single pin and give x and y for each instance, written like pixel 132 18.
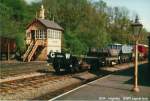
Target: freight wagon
pixel 142 51
pixel 95 57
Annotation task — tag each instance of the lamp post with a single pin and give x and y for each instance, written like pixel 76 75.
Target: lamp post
pixel 136 26
pixel 149 52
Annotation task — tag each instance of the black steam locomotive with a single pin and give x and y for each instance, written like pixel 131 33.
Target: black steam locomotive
pixel 65 61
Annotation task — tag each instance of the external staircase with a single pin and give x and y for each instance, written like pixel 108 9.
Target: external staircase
pixel 31 50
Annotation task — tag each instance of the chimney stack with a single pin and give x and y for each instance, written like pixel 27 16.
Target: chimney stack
pixel 42 12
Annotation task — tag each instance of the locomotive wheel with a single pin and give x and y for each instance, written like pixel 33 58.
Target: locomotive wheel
pixel 111 63
pixel 57 70
pixel 80 68
pixel 72 70
pixel 119 61
pixel 76 68
pixel 69 70
pixel 94 67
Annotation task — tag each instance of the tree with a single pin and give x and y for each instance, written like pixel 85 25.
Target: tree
pixel 86 23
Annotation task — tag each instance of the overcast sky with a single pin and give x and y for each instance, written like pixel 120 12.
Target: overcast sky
pixel 141 7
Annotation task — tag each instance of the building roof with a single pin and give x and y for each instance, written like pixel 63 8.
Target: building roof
pixel 48 24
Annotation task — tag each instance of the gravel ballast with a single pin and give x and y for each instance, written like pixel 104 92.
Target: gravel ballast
pixel 47 87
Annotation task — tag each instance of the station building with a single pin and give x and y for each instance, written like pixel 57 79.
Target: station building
pixel 42 36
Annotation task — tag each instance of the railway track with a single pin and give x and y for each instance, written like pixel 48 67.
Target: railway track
pixel 12 88
pixel 15 69
pixel 49 82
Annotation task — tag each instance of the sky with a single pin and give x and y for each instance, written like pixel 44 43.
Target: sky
pixel 29 1
pixel 141 7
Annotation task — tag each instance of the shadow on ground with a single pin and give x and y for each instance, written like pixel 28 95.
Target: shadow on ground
pixel 143 75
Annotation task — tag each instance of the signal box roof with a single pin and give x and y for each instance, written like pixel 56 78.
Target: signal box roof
pixel 48 24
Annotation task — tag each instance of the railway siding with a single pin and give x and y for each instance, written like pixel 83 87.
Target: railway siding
pixel 30 90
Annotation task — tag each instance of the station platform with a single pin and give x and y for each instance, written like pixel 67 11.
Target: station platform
pixel 114 87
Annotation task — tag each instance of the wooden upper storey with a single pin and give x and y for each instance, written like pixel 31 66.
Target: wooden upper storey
pixel 43 29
